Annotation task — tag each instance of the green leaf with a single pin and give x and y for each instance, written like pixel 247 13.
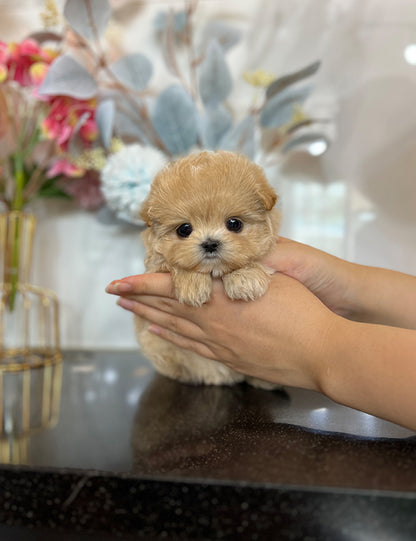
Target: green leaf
pixel 279 109
pixel 283 82
pixel 50 189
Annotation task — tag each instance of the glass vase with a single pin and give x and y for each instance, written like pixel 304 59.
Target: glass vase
pixel 29 326
pixel 30 358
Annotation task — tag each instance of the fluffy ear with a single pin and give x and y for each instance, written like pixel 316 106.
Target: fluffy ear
pixel 145 211
pixel 267 196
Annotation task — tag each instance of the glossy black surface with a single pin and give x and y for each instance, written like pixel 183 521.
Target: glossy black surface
pixel 136 454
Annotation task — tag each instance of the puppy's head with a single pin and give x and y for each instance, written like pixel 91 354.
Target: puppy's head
pixel 211 212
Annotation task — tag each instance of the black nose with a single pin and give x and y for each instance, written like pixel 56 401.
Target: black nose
pixel 210 246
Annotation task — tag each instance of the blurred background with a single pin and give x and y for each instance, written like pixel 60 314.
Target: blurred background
pixel 353 196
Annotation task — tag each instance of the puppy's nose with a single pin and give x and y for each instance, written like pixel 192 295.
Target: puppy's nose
pixel 210 245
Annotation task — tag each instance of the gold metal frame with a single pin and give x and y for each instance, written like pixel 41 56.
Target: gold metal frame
pixel 33 351
pixel 27 312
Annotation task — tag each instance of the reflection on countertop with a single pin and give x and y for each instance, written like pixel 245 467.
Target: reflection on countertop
pixel 237 433
pixel 139 445
pixel 117 415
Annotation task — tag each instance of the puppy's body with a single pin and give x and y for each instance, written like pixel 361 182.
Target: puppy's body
pixel 209 215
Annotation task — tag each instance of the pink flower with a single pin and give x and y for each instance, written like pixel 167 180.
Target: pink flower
pixel 64 167
pixel 16 60
pixel 66 115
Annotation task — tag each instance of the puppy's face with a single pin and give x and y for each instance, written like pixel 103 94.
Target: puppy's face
pixel 210 213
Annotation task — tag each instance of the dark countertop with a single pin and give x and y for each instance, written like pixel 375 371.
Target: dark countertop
pixel 135 455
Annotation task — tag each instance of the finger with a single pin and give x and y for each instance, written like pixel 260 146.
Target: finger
pixel 169 321
pixel 285 255
pixel 159 284
pixel 166 304
pixel 183 341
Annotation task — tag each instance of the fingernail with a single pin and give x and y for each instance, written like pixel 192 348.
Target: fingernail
pixel 118 287
pixel 127 304
pixel 155 329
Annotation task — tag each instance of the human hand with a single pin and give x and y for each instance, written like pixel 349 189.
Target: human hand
pixel 358 292
pixel 284 337
pixel 326 276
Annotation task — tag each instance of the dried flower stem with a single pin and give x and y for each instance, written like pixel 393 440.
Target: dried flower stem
pixel 190 10
pixel 101 62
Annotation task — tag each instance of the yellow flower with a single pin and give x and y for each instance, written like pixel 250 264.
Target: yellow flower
pixel 50 14
pixel 3 73
pixel 93 158
pixel 116 145
pixel 298 115
pixel 38 72
pixel 259 77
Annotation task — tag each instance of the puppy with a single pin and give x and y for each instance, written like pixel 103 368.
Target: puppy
pixel 209 215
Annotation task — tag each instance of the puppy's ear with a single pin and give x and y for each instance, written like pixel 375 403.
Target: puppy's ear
pixel 267 195
pixel 145 211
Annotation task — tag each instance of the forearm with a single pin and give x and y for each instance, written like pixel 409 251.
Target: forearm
pixel 372 368
pixel 381 296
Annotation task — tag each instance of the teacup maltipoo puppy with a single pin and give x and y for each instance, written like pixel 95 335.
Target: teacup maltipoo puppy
pixel 209 215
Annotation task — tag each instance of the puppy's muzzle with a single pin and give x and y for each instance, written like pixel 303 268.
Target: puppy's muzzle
pixel 210 246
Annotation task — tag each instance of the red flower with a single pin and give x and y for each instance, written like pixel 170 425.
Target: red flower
pixel 16 60
pixel 67 115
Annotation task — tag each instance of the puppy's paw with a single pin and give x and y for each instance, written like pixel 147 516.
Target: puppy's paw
pixel 247 283
pixel 192 288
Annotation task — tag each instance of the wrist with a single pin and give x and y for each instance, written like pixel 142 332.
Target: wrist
pixel 332 356
pixel 381 296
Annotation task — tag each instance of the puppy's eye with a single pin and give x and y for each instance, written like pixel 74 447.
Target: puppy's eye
pixel 234 224
pixel 184 230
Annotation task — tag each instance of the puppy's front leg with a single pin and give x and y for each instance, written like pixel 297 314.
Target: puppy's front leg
pixel 192 288
pixel 247 283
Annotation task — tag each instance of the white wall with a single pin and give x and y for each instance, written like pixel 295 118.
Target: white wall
pixel 357 201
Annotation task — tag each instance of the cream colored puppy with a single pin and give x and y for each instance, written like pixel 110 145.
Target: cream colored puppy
pixel 209 215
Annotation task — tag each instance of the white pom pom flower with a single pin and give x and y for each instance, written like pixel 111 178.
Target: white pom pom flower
pixel 126 179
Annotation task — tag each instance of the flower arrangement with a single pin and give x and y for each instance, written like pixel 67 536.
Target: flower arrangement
pixel 36 130
pixel 89 121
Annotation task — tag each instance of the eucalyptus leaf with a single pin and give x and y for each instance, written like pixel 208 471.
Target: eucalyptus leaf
pixel 175 119
pixel 88 18
pixel 168 45
pixel 76 145
pixel 127 127
pixel 215 125
pixel 279 109
pixel 161 21
pixel 133 70
pixel 283 82
pixel 127 116
pixel 240 138
pixel 104 117
pixel 215 81
pixel 305 141
pixel 225 35
pixel 66 77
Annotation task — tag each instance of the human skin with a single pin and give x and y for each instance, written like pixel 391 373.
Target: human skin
pixel 324 324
